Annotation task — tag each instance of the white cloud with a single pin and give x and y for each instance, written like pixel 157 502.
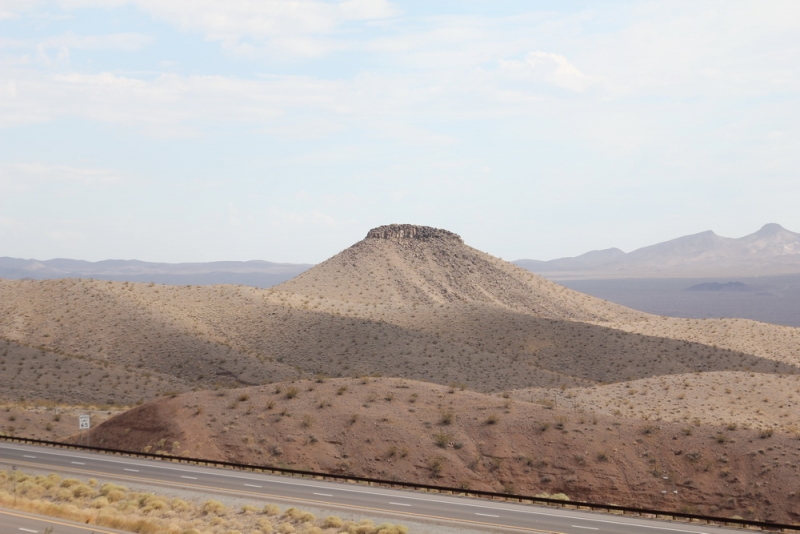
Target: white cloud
pixel 127 42
pixel 11 9
pixel 24 177
pixel 366 9
pixel 7 223
pixel 551 68
pixel 281 26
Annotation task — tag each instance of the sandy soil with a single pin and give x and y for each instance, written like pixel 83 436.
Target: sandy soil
pixel 722 399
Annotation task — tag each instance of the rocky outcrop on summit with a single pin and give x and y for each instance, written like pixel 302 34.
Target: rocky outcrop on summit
pixel 407 265
pixel 410 231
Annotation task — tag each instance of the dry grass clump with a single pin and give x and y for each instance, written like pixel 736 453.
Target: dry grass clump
pixel 117 507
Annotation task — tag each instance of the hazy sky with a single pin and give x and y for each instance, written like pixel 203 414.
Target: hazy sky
pixel 196 130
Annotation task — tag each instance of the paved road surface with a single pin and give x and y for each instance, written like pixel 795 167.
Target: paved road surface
pixel 373 499
pixel 15 522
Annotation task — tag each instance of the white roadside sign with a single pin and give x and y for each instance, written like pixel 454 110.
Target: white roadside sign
pixel 83 422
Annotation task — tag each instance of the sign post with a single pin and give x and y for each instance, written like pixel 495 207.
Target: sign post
pixel 14 472
pixel 84 423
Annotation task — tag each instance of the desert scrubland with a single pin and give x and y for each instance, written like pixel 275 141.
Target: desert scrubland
pixel 413 356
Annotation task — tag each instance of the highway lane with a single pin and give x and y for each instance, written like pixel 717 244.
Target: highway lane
pixel 12 521
pixel 371 498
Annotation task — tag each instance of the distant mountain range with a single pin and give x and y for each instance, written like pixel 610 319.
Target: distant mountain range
pixel 773 250
pixel 251 273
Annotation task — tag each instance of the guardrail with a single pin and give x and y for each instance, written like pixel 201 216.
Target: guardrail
pixel 579 505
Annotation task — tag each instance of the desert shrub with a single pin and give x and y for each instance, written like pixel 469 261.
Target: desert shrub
pixel 436 465
pixel 492 419
pixel 285 528
pixel 82 490
pixel 446 418
pixel 30 489
pixel 105 489
pixel 271 510
pixel 249 509
pixel 291 392
pixel 115 496
pixel 648 429
pixel 153 503
pixel 765 433
pixel 332 522
pixel 299 515
pixel 442 440
pixel 64 494
pixel 100 502
pixel 179 505
pixel 214 507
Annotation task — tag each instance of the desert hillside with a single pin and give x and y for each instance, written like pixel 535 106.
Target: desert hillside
pixel 398 429
pixel 499 378
pixel 406 301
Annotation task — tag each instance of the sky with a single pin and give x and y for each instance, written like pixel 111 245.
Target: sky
pixel 283 130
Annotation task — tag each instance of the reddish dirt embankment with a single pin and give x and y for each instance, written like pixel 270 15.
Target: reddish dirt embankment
pixel 403 430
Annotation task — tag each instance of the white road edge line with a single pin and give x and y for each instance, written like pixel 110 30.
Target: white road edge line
pixel 487 515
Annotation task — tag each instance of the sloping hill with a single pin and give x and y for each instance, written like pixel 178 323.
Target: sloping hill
pixel 397 429
pixel 407 301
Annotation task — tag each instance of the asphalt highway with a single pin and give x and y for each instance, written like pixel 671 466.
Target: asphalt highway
pixel 25 523
pixel 419 505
